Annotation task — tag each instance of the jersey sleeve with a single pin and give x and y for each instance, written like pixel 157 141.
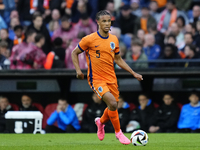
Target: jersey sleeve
pixel 84 44
pixel 117 48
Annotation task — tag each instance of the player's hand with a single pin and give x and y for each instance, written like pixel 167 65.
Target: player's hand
pixel 138 76
pixel 80 75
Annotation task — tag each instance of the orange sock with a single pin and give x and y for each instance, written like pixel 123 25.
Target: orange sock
pixel 105 118
pixel 114 118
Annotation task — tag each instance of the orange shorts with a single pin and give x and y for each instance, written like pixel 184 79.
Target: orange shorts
pixel 100 88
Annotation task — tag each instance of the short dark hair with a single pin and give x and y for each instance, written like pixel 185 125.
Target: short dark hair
pixel 62 99
pixel 36 15
pixel 145 94
pixel 38 37
pixel 65 18
pixel 84 16
pixel 170 94
pixel 182 18
pixel 152 26
pixel 58 41
pixel 171 46
pixel 136 42
pixel 171 1
pixel 194 92
pixel 189 34
pixel 2 96
pixel 4 44
pixel 102 13
pixel 192 47
pixel 18 27
pixel 171 35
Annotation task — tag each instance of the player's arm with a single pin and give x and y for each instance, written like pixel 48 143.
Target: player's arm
pixel 121 63
pixel 75 61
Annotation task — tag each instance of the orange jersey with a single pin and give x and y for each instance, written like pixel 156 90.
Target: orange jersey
pixel 100 53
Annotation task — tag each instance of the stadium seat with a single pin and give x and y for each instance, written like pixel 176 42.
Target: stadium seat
pixel 79 108
pixel 132 106
pixel 15 106
pixel 155 105
pixel 39 107
pixel 180 105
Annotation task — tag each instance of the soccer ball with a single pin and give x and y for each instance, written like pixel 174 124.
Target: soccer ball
pixel 139 138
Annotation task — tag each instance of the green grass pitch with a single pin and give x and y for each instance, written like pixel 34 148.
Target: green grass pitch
pixel 91 142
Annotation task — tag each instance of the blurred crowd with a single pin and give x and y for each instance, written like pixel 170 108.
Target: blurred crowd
pixel 61 117
pixel 38 34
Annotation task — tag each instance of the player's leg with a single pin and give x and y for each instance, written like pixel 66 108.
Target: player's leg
pixel 111 99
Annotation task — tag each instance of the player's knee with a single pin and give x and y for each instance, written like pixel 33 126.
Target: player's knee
pixel 113 105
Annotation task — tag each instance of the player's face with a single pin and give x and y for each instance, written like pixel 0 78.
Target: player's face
pixel 167 99
pixel 104 23
pixel 194 99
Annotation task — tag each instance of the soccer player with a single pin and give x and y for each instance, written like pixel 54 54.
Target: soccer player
pixel 102 49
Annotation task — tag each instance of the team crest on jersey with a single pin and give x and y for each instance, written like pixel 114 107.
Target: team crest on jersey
pixel 112 45
pixel 100 89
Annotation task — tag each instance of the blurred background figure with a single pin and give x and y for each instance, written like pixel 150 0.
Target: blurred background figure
pixel 166 116
pixel 141 117
pixel 26 104
pixel 65 117
pixel 4 108
pixel 189 120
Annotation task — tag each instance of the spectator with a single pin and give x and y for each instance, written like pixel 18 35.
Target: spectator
pixel 161 3
pixel 166 116
pixel 188 39
pixel 4 49
pixel 66 32
pixel 9 6
pixel 181 23
pixel 17 61
pixel 53 26
pixel 94 110
pixel 145 20
pixel 3 25
pixel 141 35
pixel 56 15
pixel 189 120
pixel 34 54
pixel 136 54
pixel 191 28
pixel 111 8
pixel 86 25
pixel 82 57
pixel 196 14
pixel 26 8
pixel 159 37
pixel 38 26
pixel 4 108
pixel 56 58
pixel 168 16
pixel 154 10
pixel 135 8
pixel 170 52
pixel 80 7
pixel 179 35
pixel 191 53
pixel 126 21
pixel 170 39
pixel 65 117
pixel 5 37
pixel 13 22
pixel 141 117
pixel 27 104
pixel 4 63
pixel 19 35
pixel 151 49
